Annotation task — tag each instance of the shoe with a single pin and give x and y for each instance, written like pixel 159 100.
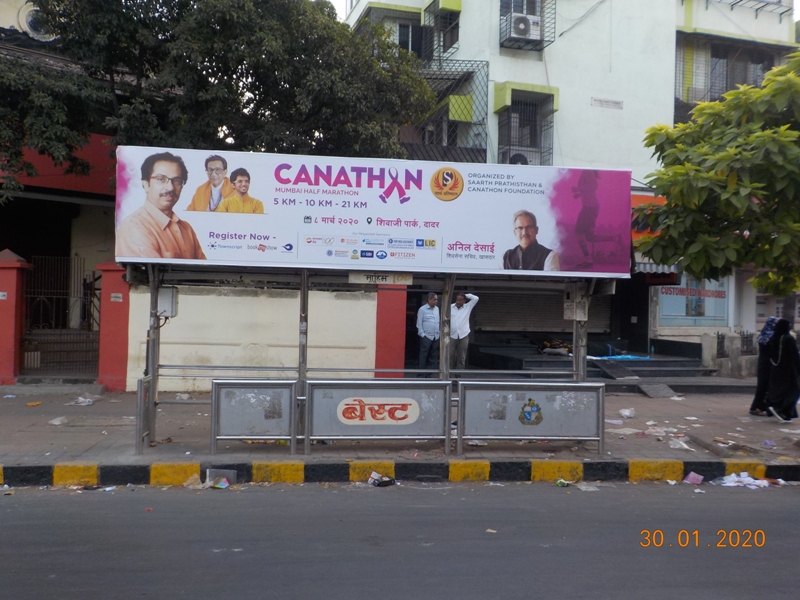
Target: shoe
pixel 759 413
pixel 777 415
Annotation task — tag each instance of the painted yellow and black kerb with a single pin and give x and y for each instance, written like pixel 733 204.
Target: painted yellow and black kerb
pixel 455 470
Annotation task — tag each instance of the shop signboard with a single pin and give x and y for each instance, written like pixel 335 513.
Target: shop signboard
pixel 694 303
pixel 194 207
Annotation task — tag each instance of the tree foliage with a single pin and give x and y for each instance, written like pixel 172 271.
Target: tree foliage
pixel 47 108
pixel 252 75
pixel 731 179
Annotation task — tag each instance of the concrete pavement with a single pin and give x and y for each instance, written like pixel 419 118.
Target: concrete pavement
pixel 710 434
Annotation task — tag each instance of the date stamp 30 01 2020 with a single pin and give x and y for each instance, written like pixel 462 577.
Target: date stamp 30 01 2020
pixel 725 538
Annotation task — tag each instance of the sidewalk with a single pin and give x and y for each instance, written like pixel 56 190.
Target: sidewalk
pixel 719 437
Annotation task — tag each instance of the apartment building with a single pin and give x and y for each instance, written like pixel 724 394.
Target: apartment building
pixel 576 83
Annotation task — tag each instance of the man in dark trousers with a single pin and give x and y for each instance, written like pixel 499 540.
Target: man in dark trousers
pixel 428 332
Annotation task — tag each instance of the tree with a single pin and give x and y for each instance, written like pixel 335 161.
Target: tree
pixel 731 179
pixel 46 106
pixel 251 75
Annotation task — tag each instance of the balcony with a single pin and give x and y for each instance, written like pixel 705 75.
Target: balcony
pixel 456 130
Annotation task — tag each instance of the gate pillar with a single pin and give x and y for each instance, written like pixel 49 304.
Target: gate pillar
pixel 12 314
pixel 112 370
pixel 390 334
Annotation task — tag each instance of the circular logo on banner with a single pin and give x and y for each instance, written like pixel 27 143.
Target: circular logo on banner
pixel 447 184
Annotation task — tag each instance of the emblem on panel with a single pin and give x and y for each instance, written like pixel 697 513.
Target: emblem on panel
pixel 531 413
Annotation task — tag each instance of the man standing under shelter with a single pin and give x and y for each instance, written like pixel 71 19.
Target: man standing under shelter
pixel 428 331
pixel 459 329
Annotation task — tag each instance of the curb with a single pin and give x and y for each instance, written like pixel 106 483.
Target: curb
pixel 165 474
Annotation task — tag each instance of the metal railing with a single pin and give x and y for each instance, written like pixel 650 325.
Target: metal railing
pixel 722 351
pixel 748 343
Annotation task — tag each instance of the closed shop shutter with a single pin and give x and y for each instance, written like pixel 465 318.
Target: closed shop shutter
pixel 536 312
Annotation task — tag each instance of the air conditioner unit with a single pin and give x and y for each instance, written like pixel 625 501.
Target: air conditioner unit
pixel 523 27
pixel 520 156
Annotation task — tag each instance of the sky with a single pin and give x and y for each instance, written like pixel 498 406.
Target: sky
pixel 341 8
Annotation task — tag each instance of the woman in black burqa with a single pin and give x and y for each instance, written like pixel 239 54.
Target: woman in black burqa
pixel 758 408
pixel 784 387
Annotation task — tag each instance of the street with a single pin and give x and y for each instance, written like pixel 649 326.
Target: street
pixel 415 540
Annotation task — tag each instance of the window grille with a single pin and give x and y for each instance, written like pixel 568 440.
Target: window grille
pixel 456 131
pixel 444 28
pixel 707 67
pixel 525 130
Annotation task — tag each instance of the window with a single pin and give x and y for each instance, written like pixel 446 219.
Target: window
pixel 448 25
pixel 441 132
pixel 522 7
pixel 761 308
pixel 409 37
pixel 525 129
pixel 735 66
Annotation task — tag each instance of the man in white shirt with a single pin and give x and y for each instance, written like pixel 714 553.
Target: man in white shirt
pixel 428 331
pixel 459 329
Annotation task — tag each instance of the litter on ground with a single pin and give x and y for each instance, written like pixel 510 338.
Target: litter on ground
pixel 81 401
pixel 680 444
pixel 743 479
pixel 693 478
pixel 379 480
pixel 624 431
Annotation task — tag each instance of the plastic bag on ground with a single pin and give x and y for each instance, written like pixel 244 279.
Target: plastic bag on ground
pixel 694 478
pixel 680 444
pixel 627 413
pixel 81 401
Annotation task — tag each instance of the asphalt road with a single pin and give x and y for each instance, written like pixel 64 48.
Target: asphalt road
pixel 343 541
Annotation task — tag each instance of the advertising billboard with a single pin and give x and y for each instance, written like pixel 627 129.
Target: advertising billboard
pixel 248 209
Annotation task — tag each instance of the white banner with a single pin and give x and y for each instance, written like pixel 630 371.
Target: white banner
pixel 369 214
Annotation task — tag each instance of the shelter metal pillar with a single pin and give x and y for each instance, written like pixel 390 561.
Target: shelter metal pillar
pixel 153 350
pixel 444 330
pixel 576 309
pixel 580 336
pixel 302 367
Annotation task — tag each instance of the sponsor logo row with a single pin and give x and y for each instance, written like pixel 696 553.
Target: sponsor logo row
pixel 394 243
pixel 356 254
